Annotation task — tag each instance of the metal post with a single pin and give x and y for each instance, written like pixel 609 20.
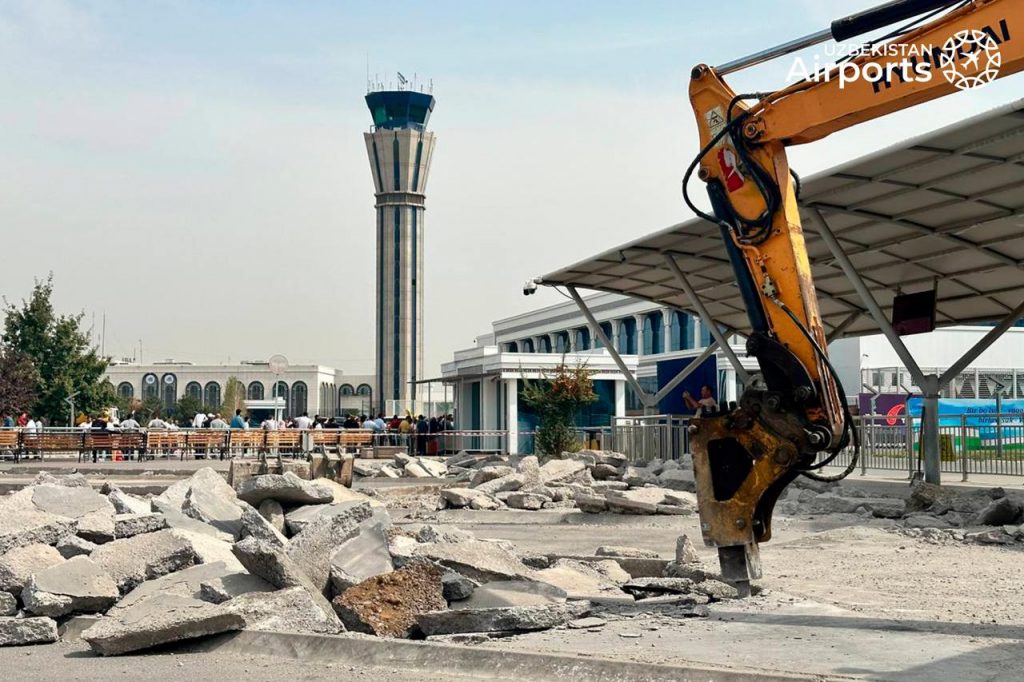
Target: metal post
pixel 963 448
pixel 864 460
pixel 592 321
pixel 705 317
pixel 930 430
pixel 875 310
pixel 999 425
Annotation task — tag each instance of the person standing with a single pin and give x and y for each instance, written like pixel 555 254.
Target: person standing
pixel 238 421
pixel 199 420
pixel 303 421
pixel 705 405
pixel 422 433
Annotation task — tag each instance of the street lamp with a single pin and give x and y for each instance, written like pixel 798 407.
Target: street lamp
pixel 70 400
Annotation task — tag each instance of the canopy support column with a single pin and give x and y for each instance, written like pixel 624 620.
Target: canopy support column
pixel 705 317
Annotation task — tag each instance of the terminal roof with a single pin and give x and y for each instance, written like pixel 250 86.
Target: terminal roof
pixel 947 207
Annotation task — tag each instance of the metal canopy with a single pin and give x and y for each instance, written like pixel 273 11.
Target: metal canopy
pixel 947 207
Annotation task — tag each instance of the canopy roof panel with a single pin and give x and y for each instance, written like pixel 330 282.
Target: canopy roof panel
pixel 947 207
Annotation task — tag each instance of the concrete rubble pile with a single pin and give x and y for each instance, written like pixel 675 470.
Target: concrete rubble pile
pixel 933 513
pixel 280 553
pixel 591 481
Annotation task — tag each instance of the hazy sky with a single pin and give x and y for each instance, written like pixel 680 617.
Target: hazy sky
pixel 197 170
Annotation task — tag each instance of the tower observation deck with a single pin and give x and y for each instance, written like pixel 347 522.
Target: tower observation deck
pixel 400 149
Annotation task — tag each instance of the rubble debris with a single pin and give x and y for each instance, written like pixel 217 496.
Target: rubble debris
pixel 22 523
pixel 75 586
pixel 594 581
pixel 456 587
pixel 686 553
pixel 502 593
pixel 160 619
pixel 362 557
pixel 292 609
pixel 501 619
pixel 8 604
pixel 286 488
pixel 132 560
pixel 72 480
pixel 22 631
pixel 476 559
pixel 631 552
pixel 312 549
pixel 211 500
pixel 299 518
pixel 273 512
pixel 389 605
pixel 126 503
pixel 18 565
pixel 256 525
pixel 1000 512
pixel 130 525
pixel 588 623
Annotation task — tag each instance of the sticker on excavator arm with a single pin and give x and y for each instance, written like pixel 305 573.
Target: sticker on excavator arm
pixel 730 166
pixel 716 121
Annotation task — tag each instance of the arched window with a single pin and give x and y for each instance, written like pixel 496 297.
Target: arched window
pixel 169 390
pixel 194 390
pixel 627 336
pixel 562 342
pixel 681 330
pixel 125 391
pixel 211 395
pixel 346 390
pixel 255 391
pixel 527 345
pixel 364 390
pixel 299 395
pixel 653 334
pixel 281 391
pixel 512 347
pixel 582 339
pixel 606 327
pixel 544 344
pixel 150 387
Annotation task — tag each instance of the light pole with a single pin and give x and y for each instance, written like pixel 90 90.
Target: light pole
pixel 70 400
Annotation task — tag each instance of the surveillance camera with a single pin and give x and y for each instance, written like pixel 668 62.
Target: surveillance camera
pixel 530 286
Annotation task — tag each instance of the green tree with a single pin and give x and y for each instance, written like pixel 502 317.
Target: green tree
pixel 557 397
pixel 186 407
pixel 61 352
pixel 19 382
pixel 234 398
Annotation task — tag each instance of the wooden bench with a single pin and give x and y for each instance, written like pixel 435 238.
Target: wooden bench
pixel 242 441
pixel 39 443
pixel 355 440
pixel 206 442
pixel 284 442
pixel 164 443
pixel 10 443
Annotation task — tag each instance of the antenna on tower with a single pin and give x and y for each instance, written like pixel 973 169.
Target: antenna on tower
pixel 368 87
pixel 402 80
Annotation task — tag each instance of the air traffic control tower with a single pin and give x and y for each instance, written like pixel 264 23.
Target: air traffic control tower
pixel 400 149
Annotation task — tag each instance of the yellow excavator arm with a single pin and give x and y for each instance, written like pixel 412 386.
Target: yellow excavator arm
pixel 796 419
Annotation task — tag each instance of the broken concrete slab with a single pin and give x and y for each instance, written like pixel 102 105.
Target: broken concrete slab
pixel 433 467
pixel 132 560
pixel 209 550
pixel 389 605
pixel 273 512
pixel 638 477
pixel 497 485
pixel 189 582
pixel 271 563
pixel 73 502
pixel 528 501
pixel 21 523
pixel 214 502
pixel 588 623
pixel 591 503
pixel 130 525
pixel 8 604
pixel 362 557
pixel 502 593
pixel 75 586
pixel 605 472
pixel 299 518
pixel 160 620
pixel 620 551
pixel 635 500
pixel 177 520
pixel 285 488
pixel 925 521
pixel 507 619
pixel 18 565
pixel 292 609
pixel 490 473
pixel 652 586
pixel 414 470
pixel 126 503
pixel 22 631
pixel 485 503
pixel 580 580
pixel 256 525
pixel 429 533
pixel 678 479
pixel 476 559
pixel 97 526
pixel 341 494
pixel 1001 512
pixel 220 589
pixel 72 480
pixel 312 549
pixel 564 471
pixel 529 468
pixel 461 497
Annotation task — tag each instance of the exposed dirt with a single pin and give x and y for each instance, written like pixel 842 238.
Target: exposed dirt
pixel 388 604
